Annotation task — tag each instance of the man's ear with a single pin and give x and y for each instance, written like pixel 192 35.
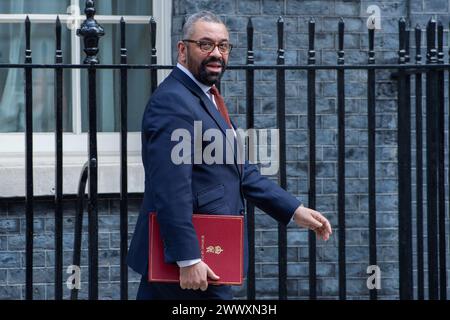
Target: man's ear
pixel 181 51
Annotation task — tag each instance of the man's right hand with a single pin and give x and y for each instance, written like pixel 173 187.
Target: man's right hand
pixel 196 276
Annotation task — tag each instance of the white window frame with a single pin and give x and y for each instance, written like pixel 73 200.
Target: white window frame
pixel 75 144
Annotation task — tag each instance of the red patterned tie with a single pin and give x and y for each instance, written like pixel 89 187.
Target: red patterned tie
pixel 220 104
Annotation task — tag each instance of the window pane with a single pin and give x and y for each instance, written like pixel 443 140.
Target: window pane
pixel 122 7
pixel 108 81
pixel 33 6
pixel 103 7
pixel 12 99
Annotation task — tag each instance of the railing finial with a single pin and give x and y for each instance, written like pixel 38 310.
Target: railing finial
pixel 90 9
pixel 91 32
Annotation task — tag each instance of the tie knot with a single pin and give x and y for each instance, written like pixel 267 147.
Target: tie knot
pixel 214 91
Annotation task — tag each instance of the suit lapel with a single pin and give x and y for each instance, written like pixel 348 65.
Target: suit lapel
pixel 238 146
pixel 209 106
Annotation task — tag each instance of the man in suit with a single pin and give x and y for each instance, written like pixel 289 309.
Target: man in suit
pixel 176 190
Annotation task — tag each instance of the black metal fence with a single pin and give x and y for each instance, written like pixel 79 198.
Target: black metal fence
pixel 434 72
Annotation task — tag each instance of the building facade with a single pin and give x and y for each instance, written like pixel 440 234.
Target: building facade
pixel 169 16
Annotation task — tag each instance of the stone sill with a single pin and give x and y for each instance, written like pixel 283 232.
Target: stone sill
pixel 12 174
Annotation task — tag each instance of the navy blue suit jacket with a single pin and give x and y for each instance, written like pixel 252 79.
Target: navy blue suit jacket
pixel 176 191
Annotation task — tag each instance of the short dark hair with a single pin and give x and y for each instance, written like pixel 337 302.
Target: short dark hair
pixel 207 16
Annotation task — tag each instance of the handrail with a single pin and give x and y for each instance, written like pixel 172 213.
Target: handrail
pixel 79 223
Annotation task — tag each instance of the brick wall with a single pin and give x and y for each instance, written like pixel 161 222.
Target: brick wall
pixel 12 249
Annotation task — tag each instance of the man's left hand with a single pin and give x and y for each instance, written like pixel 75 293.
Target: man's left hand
pixel 313 220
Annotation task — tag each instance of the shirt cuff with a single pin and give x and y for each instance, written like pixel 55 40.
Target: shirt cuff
pixel 293 215
pixel 187 263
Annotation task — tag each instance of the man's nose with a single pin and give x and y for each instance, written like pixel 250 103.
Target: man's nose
pixel 216 52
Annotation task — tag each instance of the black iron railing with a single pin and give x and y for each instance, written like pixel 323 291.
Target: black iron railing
pixel 434 72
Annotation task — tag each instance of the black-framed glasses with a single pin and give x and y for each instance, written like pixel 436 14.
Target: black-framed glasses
pixel 209 46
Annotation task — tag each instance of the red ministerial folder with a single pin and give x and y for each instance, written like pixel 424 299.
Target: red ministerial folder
pixel 221 240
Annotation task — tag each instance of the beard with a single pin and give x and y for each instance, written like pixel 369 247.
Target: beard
pixel 208 77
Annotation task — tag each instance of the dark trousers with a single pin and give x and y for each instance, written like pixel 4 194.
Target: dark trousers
pixel 172 291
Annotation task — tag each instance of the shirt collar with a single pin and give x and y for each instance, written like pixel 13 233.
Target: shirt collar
pixel 202 86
